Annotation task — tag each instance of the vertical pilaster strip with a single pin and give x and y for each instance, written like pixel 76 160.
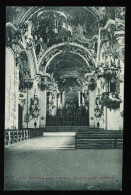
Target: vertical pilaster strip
pixel 83 100
pixel 63 99
pixel 43 99
pixel 91 108
pixel 79 98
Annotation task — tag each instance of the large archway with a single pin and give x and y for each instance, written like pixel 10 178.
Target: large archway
pixel 59 42
pixel 68 64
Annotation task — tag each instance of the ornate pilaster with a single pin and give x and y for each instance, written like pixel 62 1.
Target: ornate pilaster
pixel 42 84
pixel 79 99
pixel 52 102
pixel 92 96
pixel 121 44
pixel 28 88
pixel 42 118
pixel 83 99
pixel 110 59
pixel 91 108
pixel 59 100
pixel 32 61
pixel 63 98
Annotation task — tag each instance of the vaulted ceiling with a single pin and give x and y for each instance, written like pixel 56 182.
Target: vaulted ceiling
pixel 54 25
pixel 68 70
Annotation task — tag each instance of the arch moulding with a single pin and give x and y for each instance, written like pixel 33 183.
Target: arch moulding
pixel 47 56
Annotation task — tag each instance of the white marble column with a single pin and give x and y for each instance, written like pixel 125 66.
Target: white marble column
pixel 32 61
pixel 63 98
pixel 99 45
pixel 79 104
pixel 43 102
pixel 50 100
pixel 55 99
pixel 105 110
pixel 83 100
pixel 29 36
pixel 113 119
pixel 54 105
pixel 59 101
pixel 91 108
pixel 122 96
pixel 105 118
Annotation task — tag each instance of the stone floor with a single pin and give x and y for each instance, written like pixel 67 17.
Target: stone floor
pixel 52 140
pixel 52 163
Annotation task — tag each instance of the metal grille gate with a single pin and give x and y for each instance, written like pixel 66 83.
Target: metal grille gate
pixel 69 117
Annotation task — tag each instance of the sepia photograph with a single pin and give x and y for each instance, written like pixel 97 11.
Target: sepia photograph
pixel 64 98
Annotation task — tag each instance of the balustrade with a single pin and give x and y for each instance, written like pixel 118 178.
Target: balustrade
pixel 15 136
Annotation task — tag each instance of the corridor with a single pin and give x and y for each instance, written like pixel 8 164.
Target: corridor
pixel 37 164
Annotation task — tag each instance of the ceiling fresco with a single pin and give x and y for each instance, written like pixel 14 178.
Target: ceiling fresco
pixel 51 26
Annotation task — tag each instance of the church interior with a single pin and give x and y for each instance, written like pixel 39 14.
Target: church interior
pixel 64 89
